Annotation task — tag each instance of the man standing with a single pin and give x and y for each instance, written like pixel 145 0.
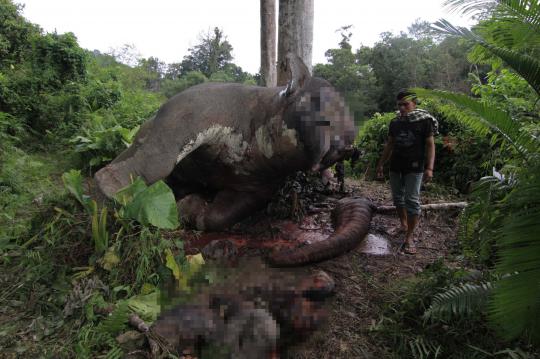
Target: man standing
pixel 411 149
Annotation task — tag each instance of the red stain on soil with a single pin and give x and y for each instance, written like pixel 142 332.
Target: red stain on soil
pixel 264 235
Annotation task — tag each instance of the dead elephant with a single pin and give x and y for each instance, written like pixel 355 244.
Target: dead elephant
pixel 225 148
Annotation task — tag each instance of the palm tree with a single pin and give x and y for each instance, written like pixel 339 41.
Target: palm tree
pixel 511 32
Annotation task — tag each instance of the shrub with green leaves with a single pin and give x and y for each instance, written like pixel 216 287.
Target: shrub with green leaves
pixel 371 139
pixel 100 145
pixel 462 154
pixel 172 87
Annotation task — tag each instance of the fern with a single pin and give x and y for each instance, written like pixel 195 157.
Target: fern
pixel 117 320
pixel 461 300
pixel 514 307
pixel 115 353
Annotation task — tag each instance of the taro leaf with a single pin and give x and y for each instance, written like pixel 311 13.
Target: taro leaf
pixel 126 194
pixel 155 205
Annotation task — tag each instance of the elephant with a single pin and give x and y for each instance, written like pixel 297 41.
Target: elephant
pixel 224 148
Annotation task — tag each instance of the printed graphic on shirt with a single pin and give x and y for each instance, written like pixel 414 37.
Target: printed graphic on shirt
pixel 405 139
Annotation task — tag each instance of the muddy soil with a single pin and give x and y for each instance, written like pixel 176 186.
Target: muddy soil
pixel 363 280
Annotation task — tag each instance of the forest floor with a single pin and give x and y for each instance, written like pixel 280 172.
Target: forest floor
pixel 366 282
pixel 367 279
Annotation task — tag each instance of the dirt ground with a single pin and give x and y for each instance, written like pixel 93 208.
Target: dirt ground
pixel 361 278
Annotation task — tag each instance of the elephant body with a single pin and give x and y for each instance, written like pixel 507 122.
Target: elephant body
pixel 225 148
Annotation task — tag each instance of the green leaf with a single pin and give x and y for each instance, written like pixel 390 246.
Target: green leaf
pixel 154 206
pixel 100 235
pixel 126 194
pixel 146 306
pixel 109 260
pixel 170 263
pixel 73 183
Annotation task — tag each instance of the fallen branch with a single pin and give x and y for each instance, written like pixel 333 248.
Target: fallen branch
pixel 431 206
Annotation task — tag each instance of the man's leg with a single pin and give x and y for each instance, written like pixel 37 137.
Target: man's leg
pixel 403 218
pixel 413 182
pixel 397 184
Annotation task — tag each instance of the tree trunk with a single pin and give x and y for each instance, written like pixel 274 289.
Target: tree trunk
pixel 268 42
pixel 295 34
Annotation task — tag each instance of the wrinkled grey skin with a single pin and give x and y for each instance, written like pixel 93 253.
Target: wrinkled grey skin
pixel 224 148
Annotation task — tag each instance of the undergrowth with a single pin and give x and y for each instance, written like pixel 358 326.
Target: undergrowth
pixel 410 327
pixel 70 276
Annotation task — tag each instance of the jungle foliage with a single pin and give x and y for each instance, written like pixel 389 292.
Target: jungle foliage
pixel 78 268
pixel 499 229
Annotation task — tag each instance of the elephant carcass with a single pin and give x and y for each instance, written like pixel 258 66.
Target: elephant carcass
pixel 224 148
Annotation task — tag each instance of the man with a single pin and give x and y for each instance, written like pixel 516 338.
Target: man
pixel 411 149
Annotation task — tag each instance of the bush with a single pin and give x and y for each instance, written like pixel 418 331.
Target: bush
pixel 172 87
pixel 462 155
pixel 371 139
pixel 403 324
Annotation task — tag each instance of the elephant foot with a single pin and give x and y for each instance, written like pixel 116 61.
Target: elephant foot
pixel 113 177
pixel 192 210
pixel 227 208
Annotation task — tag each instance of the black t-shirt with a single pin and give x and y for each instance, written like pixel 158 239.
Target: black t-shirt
pixel 410 133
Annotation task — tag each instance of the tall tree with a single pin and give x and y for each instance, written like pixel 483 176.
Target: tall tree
pixel 295 34
pixel 154 72
pixel 356 81
pixel 268 42
pixel 210 55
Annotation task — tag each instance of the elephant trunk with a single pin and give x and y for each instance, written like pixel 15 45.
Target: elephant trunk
pixel 351 216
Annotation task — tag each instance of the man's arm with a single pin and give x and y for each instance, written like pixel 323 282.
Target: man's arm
pixel 430 158
pixel 388 148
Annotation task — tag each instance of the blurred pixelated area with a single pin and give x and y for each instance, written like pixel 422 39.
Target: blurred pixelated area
pixel 328 115
pixel 250 311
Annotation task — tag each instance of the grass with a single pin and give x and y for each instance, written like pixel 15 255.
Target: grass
pixel 27 180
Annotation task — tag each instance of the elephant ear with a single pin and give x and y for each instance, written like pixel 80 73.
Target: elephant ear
pixel 298 74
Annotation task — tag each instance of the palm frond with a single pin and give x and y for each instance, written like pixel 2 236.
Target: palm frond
pixel 468 7
pixel 421 348
pixel 516 298
pixel 487 117
pixel 510 34
pixel 515 306
pixel 481 221
pixel 524 11
pixel 526 66
pixel 459 300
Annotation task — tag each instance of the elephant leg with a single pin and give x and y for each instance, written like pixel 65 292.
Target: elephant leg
pixel 149 164
pixel 227 208
pixel 192 209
